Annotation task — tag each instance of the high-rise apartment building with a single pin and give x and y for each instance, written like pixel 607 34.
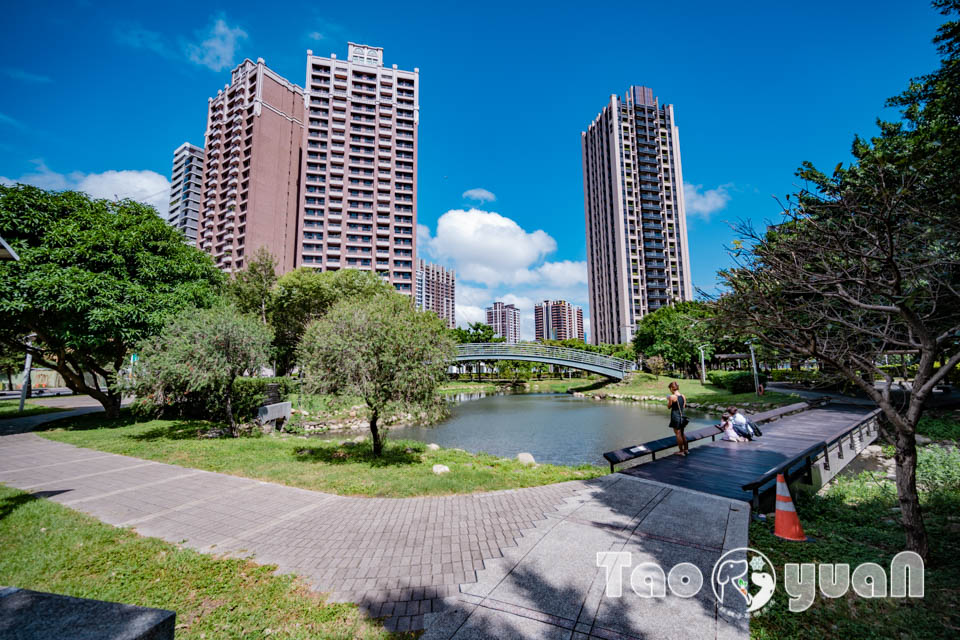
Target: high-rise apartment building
pixel 185 181
pixel 360 166
pixel 251 177
pixel 637 255
pixel 558 320
pixel 436 291
pixel 505 320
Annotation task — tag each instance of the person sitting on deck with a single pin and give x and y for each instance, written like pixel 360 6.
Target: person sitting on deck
pixel 741 425
pixel 726 423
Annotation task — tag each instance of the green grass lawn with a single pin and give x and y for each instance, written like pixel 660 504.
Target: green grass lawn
pixel 856 520
pixel 48 547
pixel 645 384
pixel 406 468
pixel 10 409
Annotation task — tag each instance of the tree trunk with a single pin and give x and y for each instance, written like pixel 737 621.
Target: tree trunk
pixel 906 458
pixel 228 397
pixel 111 405
pixel 375 433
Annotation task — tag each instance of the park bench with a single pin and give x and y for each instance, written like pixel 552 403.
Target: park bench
pixel 271 416
pixel 654 446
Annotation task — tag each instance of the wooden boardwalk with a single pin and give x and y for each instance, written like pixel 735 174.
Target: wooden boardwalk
pixel 722 468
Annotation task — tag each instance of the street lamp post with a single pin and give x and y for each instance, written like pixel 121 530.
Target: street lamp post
pixel 27 365
pixel 756 378
pixel 703 368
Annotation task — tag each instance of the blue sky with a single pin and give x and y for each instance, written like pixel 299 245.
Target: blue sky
pixel 98 95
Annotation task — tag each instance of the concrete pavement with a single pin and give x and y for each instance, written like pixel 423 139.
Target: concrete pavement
pixel 519 563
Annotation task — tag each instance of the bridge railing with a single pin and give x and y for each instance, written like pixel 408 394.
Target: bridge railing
pixel 808 457
pixel 504 351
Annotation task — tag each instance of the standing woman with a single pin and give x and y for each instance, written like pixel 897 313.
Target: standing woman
pixel 678 422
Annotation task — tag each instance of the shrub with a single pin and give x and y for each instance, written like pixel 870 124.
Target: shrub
pixel 249 394
pixel 193 364
pixel 735 381
pixel 938 468
pixel 656 364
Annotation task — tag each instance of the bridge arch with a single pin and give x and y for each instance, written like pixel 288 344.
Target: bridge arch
pixel 607 366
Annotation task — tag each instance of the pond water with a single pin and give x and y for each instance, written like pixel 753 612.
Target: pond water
pixel 556 428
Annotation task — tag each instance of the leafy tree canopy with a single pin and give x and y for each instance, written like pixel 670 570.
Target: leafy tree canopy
pixel 380 349
pixel 94 277
pixel 252 288
pixel 675 333
pixel 200 353
pixel 305 294
pixel 476 332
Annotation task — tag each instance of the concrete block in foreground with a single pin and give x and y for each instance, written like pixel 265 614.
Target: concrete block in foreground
pixel 34 615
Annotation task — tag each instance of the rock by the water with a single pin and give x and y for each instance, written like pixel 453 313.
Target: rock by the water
pixel 359 439
pixel 440 469
pixel 525 458
pixel 433 447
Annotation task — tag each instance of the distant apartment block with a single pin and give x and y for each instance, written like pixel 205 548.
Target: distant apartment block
pixel 359 200
pixel 505 320
pixel 185 182
pixel 251 177
pixel 558 320
pixel 436 291
pixel 636 228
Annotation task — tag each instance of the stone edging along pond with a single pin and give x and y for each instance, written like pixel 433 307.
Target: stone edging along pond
pixel 703 406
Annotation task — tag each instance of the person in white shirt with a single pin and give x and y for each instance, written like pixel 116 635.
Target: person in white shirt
pixel 726 423
pixel 740 424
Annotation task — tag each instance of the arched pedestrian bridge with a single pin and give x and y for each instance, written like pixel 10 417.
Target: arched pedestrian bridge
pixel 563 356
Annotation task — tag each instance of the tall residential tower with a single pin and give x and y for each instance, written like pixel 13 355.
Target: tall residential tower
pixel 185 181
pixel 251 178
pixel 558 320
pixel 360 166
pixel 637 255
pixel 505 320
pixel 436 291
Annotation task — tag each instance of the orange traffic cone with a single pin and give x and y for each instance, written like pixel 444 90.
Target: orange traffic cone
pixel 786 523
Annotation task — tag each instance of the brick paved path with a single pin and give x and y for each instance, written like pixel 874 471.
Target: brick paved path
pixel 520 562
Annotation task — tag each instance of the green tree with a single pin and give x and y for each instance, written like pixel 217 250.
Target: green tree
pixel 867 261
pixel 252 289
pixel 305 294
pixel 11 362
pixel 94 277
pixel 201 352
pixel 476 332
pixel 381 349
pixel 516 369
pixel 675 333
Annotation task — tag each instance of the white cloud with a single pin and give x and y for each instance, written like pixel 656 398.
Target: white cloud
pixel 467 314
pixel 217 51
pixel 563 273
pixel 144 186
pixel 315 35
pixel 496 259
pixel 704 203
pixel 486 247
pixel 26 76
pixel 480 195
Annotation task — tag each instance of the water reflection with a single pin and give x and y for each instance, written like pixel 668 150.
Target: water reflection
pixel 555 427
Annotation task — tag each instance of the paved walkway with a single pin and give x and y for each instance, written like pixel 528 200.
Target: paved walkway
pixel 518 563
